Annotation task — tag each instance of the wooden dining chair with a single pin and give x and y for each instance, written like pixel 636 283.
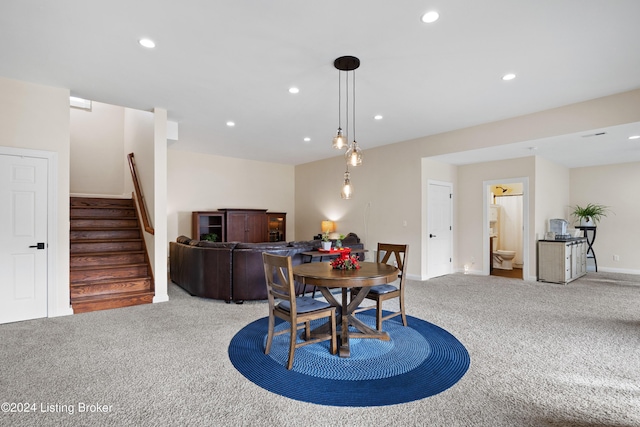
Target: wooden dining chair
pixel 298 311
pixel 389 254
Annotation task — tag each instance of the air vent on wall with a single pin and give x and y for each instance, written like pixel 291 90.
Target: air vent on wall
pixel 83 104
pixel 594 134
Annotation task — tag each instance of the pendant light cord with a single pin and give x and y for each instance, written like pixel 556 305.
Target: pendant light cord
pixel 339 102
pixel 346 135
pixel 354 106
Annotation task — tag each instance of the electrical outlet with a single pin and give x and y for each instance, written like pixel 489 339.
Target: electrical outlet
pixel 616 257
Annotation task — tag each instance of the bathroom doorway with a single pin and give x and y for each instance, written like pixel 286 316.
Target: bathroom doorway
pixel 506 240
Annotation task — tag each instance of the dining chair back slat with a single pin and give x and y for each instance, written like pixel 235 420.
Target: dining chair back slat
pixel 283 303
pixel 386 254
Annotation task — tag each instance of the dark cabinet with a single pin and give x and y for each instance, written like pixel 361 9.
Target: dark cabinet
pixel 208 223
pixel 246 225
pixel 277 226
pixel 240 225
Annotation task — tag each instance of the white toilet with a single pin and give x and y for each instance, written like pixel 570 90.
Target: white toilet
pixel 503 259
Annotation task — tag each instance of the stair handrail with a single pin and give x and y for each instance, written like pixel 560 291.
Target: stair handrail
pixel 139 196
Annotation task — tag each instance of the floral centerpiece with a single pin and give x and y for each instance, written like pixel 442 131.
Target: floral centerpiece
pixel 346 262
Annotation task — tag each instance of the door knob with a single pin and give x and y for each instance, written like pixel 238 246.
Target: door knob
pixel 431 235
pixel 38 246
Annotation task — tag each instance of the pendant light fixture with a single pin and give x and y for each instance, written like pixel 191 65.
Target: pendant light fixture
pixel 354 153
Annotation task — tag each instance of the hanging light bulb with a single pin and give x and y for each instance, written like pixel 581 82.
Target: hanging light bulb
pixel 347 188
pixel 340 141
pixel 354 153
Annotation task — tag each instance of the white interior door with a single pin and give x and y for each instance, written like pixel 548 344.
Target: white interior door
pixel 23 238
pixel 439 229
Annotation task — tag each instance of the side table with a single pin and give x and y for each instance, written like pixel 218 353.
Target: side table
pixel 590 253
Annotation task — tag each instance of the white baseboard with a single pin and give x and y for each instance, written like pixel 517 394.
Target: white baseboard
pixel 160 298
pixel 63 312
pixel 617 270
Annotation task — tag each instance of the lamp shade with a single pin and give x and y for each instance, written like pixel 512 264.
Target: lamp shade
pixel 328 226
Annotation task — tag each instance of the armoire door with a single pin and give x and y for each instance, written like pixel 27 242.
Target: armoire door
pixel 256 227
pixel 236 227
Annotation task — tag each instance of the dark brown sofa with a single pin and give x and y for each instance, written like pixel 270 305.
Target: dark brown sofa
pixel 231 271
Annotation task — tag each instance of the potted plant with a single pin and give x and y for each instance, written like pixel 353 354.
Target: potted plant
pixel 339 241
pixel 590 214
pixel 211 237
pixel 326 242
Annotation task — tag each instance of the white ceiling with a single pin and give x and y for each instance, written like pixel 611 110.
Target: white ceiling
pixel 224 60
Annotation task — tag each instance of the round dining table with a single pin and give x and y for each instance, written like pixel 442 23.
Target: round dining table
pixel 325 277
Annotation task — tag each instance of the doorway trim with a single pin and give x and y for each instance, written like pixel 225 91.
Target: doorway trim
pixel 52 222
pixel 525 223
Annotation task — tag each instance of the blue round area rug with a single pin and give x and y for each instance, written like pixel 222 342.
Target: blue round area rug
pixel 418 361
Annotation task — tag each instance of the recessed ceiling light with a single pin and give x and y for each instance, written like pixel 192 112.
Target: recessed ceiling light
pixel 509 76
pixel 377 117
pixel 294 90
pixel 148 43
pixel 634 137
pixel 430 17
pixel 307 139
pixel 231 124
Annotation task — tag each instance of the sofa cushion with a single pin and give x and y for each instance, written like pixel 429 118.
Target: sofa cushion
pixel 310 244
pixel 183 239
pixel 222 245
pixel 260 247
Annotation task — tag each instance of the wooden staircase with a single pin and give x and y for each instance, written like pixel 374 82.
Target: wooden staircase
pixel 109 263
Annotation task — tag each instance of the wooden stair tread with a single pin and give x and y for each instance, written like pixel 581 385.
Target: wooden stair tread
pixel 102 218
pixel 115 206
pixel 111 281
pixel 97 254
pixel 104 228
pixel 130 239
pixel 108 266
pixel 119 295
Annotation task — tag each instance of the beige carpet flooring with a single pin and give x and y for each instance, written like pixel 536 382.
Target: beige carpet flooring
pixel 541 355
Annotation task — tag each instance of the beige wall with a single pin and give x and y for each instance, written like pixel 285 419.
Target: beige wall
pixel 201 182
pixel 552 194
pixel 139 140
pixel 37 117
pixel 472 238
pixel 381 205
pixel 387 190
pixel 97 150
pixel 597 113
pixel 617 187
